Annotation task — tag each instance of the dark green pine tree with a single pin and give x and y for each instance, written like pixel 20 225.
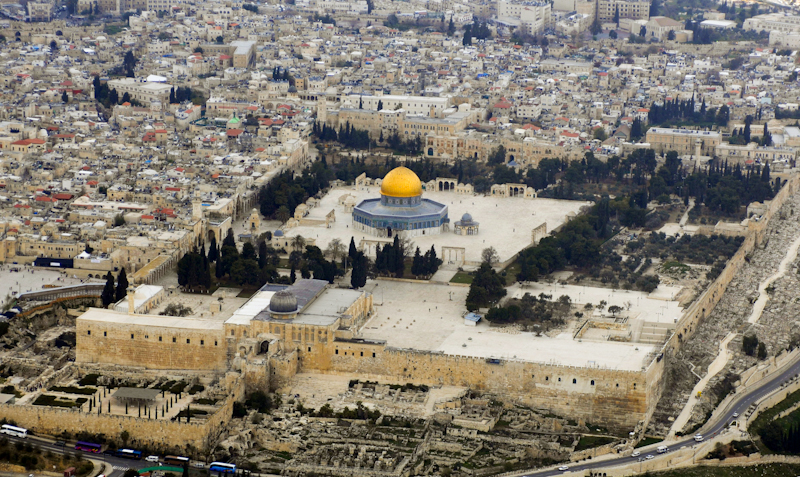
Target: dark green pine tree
pixel 109 291
pixel 213 250
pixel 262 254
pixel 398 265
pixel 293 274
pixel 358 277
pixel 432 262
pixel 747 120
pixel 352 250
pixel 418 264
pixel 122 285
pixel 172 99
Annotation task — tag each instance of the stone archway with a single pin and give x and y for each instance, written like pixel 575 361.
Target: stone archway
pixel 263 348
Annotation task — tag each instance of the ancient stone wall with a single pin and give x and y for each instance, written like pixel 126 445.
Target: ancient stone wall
pixel 156 433
pixel 154 347
pixel 713 294
pixel 604 396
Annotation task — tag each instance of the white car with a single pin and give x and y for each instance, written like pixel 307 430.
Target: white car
pixel 649 456
pixel 151 458
pixel 698 438
pixel 563 468
pixel 636 454
pixel 735 414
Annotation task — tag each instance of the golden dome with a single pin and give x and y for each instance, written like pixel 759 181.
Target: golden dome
pixel 401 182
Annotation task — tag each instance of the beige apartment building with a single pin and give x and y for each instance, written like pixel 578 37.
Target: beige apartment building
pixel 683 141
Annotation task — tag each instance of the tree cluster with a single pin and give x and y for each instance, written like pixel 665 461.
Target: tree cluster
pixel 129 64
pixel 390 259
pixel 685 112
pixel 312 262
pixel 247 268
pixel 183 93
pixel 194 271
pixel 113 293
pixel 425 265
pixel 486 289
pixel 279 198
pixel 540 313
pixel 477 31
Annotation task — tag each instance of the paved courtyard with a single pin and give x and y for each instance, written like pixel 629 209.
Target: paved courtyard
pixel 505 223
pixel 432 322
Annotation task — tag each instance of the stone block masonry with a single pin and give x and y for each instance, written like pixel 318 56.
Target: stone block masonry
pixel 616 398
pixel 154 433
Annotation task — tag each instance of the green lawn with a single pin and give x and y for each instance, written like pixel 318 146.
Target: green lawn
pixel 587 442
pixel 648 440
pixel 461 277
pixel 511 272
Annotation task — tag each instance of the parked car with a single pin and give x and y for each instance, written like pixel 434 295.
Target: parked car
pixel 563 468
pixel 636 454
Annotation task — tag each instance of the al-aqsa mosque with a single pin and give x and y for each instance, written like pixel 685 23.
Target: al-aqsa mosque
pixel 401 209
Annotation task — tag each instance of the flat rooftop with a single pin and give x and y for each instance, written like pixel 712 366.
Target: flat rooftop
pixel 111 316
pixel 433 320
pixel 505 223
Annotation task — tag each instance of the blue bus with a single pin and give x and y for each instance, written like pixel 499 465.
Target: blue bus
pixel 222 467
pixel 129 454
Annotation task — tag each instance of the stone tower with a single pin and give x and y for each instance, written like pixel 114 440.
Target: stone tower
pixel 197 209
pixel 322 110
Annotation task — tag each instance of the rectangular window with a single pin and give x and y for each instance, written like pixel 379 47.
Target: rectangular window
pixel 337 351
pixel 187 340
pixel 215 343
pixel 202 342
pixel 131 335
pixel 105 333
pixel 159 338
pixel 174 340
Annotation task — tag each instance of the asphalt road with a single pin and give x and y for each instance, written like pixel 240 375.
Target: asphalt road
pixel 710 430
pixel 119 465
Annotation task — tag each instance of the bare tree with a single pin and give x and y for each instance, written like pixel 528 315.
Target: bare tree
pixel 489 255
pixel 335 249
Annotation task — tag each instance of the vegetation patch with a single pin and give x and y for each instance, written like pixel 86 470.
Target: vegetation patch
pixel 89 380
pixel 588 442
pixel 462 277
pixel 73 390
pixel 648 441
pixel 54 401
pixel 33 459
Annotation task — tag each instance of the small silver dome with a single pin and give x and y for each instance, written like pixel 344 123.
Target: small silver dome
pixel 283 301
pixel 278 233
pixel 466 218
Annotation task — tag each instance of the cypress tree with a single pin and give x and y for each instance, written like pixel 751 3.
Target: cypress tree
pixel 109 292
pixel 122 285
pixel 418 264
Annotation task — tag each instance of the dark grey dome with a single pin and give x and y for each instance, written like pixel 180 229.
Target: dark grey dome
pixel 278 233
pixel 292 89
pixel 283 301
pixel 466 218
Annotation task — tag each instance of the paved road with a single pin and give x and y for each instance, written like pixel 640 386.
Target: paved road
pixel 710 430
pixel 119 465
